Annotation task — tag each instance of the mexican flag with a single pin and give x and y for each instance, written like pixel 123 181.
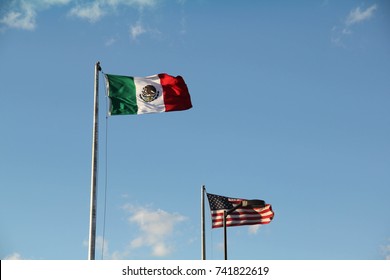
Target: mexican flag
pixel 142 95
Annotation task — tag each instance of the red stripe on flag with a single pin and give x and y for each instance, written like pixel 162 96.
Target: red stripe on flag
pixel 243 216
pixel 175 93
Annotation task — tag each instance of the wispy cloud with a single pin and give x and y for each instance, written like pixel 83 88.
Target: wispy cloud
pixel 22 19
pixel 136 30
pixel 14 256
pixel 111 41
pixel 386 250
pixel 355 16
pixel 90 11
pixel 254 229
pixel 94 11
pixel 156 229
pixel 22 14
pixel 137 3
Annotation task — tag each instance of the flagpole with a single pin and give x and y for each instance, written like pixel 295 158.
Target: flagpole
pixel 224 234
pixel 92 222
pixel 203 231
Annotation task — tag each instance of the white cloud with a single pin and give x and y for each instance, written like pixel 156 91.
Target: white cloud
pixel 133 3
pixel 220 246
pixel 253 229
pixel 102 244
pixel 136 30
pixel 110 42
pixel 386 250
pixel 22 14
pixel 102 248
pixel 53 2
pixel 91 11
pixel 21 18
pixel 156 229
pixel 94 10
pixel 356 15
pixel 14 256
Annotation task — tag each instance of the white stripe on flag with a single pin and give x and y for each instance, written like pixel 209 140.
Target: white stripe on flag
pixel 149 107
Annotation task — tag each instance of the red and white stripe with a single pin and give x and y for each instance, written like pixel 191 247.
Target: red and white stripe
pixel 243 216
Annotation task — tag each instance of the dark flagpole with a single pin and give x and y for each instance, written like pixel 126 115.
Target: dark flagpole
pixel 203 231
pixel 92 222
pixel 224 234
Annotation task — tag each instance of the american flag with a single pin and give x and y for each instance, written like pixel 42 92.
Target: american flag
pixel 241 216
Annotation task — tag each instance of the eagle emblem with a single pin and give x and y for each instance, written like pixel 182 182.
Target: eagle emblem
pixel 149 93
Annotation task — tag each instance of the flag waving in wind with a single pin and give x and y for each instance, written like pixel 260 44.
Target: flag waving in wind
pixel 245 215
pixel 141 95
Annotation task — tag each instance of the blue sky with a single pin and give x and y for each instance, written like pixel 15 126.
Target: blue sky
pixel 290 105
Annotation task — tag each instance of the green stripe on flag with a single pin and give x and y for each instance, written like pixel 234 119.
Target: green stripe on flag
pixel 122 93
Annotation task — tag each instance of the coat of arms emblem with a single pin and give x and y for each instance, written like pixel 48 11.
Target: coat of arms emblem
pixel 149 93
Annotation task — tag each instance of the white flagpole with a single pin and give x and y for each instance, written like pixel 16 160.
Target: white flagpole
pixel 203 231
pixel 92 222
